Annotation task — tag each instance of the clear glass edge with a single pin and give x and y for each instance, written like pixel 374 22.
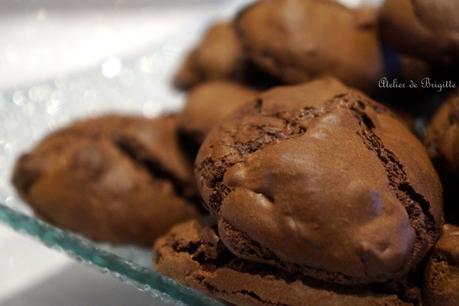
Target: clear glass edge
pixel 85 251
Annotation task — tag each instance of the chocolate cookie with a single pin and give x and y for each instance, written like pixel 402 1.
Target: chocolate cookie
pixel 299 40
pixel 439 15
pixel 443 146
pixel 218 56
pixel 115 178
pixel 443 133
pixel 320 179
pixel 193 254
pixel 441 283
pixel 402 30
pixel 208 104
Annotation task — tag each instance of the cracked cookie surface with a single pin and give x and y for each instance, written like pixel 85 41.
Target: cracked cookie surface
pixel 193 254
pixel 320 179
pixel 118 179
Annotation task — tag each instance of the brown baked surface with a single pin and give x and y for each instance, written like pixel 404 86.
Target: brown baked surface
pixel 193 254
pixel 318 178
pixel 114 178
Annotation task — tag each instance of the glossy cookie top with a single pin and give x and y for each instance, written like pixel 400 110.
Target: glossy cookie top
pixel 320 179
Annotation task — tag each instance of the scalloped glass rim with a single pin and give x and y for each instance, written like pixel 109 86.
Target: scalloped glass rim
pixel 135 84
pixel 138 84
pixel 88 252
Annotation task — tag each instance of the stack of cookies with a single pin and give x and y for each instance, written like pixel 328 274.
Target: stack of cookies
pixel 282 181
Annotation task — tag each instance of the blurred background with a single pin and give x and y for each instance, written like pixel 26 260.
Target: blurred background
pixel 44 39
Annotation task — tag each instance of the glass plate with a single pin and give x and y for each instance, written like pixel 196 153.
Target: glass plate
pixel 139 84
